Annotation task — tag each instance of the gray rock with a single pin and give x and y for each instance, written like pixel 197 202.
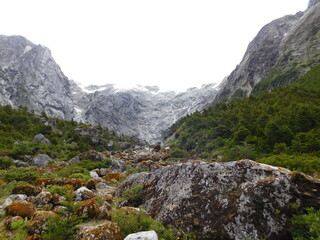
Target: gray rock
pixel 30 77
pixel 118 165
pixel 142 112
pixel 91 132
pixel 20 163
pixel 94 175
pixel 147 235
pixel 39 138
pixel 237 200
pixel 284 46
pixel 83 193
pixel 41 160
pixel 12 198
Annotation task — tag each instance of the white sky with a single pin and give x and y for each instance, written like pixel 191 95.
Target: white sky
pixel 175 44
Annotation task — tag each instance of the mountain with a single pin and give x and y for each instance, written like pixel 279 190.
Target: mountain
pixel 30 77
pixel 144 112
pixel 283 51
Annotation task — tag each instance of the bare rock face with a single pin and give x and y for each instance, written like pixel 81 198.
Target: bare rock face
pixel 234 200
pixel 282 51
pixel 142 112
pixel 30 77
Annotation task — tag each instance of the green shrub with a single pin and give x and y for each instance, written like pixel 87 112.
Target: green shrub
pixel 6 189
pixel 21 174
pixel 178 153
pixel 62 229
pixel 302 163
pixel 54 189
pixel 139 221
pixel 134 195
pixel 6 162
pixel 306 226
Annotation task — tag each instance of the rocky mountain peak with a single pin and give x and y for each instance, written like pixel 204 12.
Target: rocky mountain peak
pixel 30 77
pixel 312 3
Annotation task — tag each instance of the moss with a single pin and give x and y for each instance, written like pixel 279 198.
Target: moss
pixel 21 208
pixel 28 190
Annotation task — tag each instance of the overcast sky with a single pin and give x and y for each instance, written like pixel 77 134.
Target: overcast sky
pixel 175 44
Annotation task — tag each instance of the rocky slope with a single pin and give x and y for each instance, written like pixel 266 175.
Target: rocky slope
pixel 30 77
pixel 283 50
pixel 234 200
pixel 144 112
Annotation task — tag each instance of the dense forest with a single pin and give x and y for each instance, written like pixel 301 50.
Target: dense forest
pixel 281 127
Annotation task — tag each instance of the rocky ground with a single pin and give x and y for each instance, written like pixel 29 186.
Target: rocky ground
pixel 234 200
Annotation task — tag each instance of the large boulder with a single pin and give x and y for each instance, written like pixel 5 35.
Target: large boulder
pixel 23 209
pixel 92 156
pixel 39 138
pixel 233 200
pixel 41 160
pixel 39 222
pixel 105 230
pixel 91 132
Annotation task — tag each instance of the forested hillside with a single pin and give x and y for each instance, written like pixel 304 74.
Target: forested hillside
pixel 285 121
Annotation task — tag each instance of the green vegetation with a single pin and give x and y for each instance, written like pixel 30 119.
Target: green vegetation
pixel 62 229
pixel 306 226
pixel 285 121
pixel 134 195
pixel 137 221
pixel 302 163
pixel 18 127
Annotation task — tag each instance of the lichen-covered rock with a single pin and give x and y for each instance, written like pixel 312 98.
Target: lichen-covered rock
pixel 91 132
pixel 28 190
pixel 43 198
pixel 41 160
pixel 93 156
pixel 39 222
pixel 75 182
pixel 39 138
pixel 234 200
pixel 83 193
pixel 9 220
pixel 88 208
pixel 147 235
pixel 21 208
pixel 118 165
pixel 113 176
pixel 105 230
pixel 91 184
pixel 12 198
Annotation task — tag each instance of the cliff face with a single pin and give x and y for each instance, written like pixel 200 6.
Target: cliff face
pixel 143 112
pixel 30 77
pixel 281 52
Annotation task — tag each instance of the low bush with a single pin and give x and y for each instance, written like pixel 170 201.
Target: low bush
pixel 137 221
pixel 302 163
pixel 306 226
pixel 6 162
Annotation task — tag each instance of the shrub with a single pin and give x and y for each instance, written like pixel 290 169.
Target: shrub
pixel 6 162
pixel 303 163
pixel 178 153
pixel 60 190
pixel 21 174
pixel 134 195
pixel 137 221
pixel 62 229
pixel 306 226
